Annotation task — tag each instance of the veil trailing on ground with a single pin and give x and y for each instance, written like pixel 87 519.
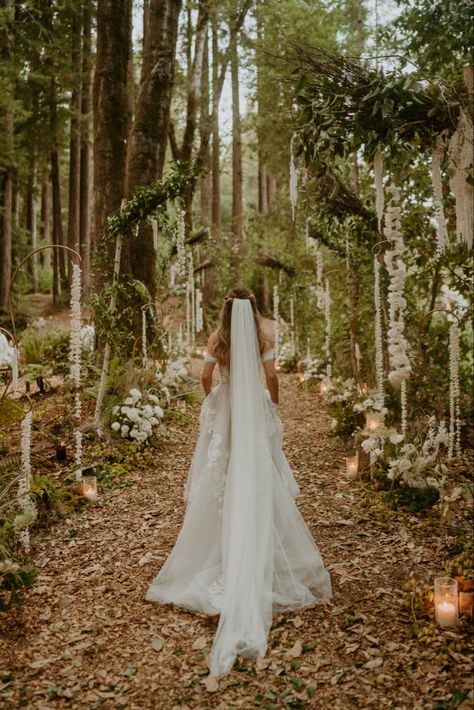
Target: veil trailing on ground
pixel 247 539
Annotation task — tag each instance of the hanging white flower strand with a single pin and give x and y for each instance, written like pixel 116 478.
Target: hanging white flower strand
pixel 75 351
pixel 180 245
pixel 454 392
pixel 293 180
pixel 378 179
pixel 292 325
pixel 15 374
pixel 327 342
pixel 460 164
pixel 436 181
pixel 144 343
pixel 199 312
pixel 400 367
pixel 26 504
pixel 320 298
pixel 379 370
pixel 276 318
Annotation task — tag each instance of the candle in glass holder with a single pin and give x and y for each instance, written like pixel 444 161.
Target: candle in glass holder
pixel 352 465
pixel 372 421
pixel 301 376
pixel 446 601
pixel 89 487
pixel 61 451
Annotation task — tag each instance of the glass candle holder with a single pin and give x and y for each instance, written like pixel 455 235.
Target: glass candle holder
pixel 372 421
pixel 352 465
pixel 324 386
pixel 446 601
pixel 89 487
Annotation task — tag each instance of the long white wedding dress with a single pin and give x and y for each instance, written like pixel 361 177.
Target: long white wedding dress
pixel 244 551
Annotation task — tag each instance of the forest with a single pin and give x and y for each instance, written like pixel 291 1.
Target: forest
pixel 153 155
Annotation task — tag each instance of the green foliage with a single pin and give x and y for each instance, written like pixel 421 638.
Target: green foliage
pixel 46 347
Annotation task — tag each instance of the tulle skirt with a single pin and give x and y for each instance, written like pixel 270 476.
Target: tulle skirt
pixel 192 575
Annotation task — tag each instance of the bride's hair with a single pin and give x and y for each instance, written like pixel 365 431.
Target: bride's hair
pixel 222 346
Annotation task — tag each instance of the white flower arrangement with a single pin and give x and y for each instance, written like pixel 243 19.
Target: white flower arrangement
pixel 372 405
pixel 451 301
pixel 400 367
pixel 341 390
pixel 7 352
pixel 138 417
pixel 376 442
pixel 422 467
pixel 312 369
pixel 175 374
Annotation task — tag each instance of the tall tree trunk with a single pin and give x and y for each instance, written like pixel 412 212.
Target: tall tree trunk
pixel 59 262
pixel 85 167
pixel 7 172
pixel 237 206
pixel 205 181
pixel 216 146
pixel 73 224
pixel 148 135
pixel 31 222
pixel 111 117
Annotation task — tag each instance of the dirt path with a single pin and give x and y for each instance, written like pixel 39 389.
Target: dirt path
pixel 84 638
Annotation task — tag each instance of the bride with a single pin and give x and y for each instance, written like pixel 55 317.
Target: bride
pixel 244 551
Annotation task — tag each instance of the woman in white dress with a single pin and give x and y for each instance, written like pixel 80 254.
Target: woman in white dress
pixel 244 551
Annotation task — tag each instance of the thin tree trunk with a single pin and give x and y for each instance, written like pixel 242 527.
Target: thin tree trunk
pixel 111 117
pixel 85 167
pixel 205 181
pixel 6 177
pixel 237 206
pixel 30 223
pixel 45 217
pixel 216 147
pixel 148 135
pixel 59 262
pixel 262 170
pixel 73 225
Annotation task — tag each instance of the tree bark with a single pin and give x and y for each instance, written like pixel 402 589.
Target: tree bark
pixel 216 147
pixel 31 223
pixel 73 225
pixel 237 206
pixel 85 163
pixel 205 183
pixel 111 117
pixel 7 173
pixel 60 281
pixel 149 131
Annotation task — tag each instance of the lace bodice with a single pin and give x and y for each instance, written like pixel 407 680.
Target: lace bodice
pixel 267 355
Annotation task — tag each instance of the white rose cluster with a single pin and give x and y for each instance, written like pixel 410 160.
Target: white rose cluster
pixel 341 390
pixel 313 369
pixel 175 374
pixel 138 417
pixel 375 443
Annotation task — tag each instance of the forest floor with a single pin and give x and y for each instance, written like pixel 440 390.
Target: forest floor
pixel 86 638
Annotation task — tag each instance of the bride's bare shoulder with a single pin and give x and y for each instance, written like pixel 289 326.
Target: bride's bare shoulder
pixel 267 330
pixel 211 343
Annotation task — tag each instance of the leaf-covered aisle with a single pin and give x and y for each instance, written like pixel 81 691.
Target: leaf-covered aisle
pixel 85 638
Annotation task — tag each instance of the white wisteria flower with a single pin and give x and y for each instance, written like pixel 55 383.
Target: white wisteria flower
pixel 422 466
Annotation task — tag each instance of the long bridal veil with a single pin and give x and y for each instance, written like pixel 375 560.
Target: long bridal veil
pixel 247 539
pixel 243 551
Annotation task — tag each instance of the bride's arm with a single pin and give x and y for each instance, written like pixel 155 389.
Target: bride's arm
pixel 208 367
pixel 272 380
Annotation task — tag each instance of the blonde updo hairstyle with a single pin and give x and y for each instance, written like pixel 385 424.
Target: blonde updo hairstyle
pixel 222 346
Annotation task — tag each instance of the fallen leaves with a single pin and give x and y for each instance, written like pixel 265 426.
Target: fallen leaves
pixel 157 644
